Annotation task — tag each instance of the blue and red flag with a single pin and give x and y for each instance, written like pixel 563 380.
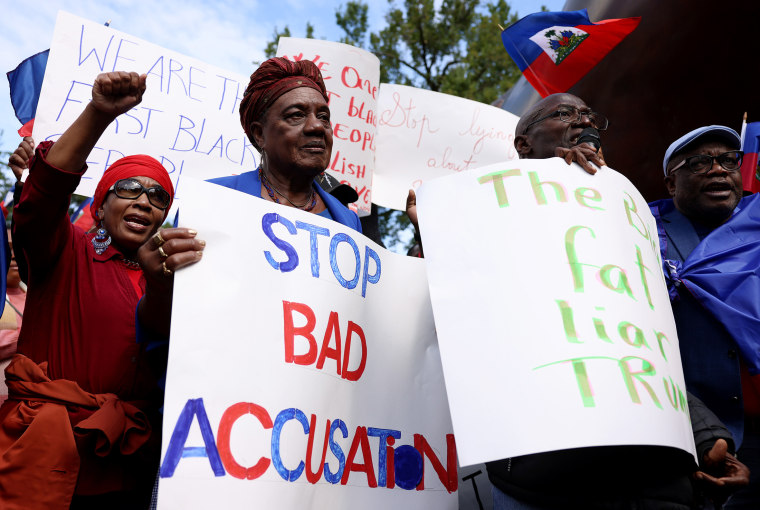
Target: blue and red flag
pixel 81 217
pixel 722 273
pixel 25 83
pixel 556 49
pixel 751 147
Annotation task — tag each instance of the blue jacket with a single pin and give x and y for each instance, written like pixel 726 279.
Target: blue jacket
pixel 250 183
pixel 714 283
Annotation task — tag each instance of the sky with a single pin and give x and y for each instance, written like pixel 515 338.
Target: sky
pixel 229 34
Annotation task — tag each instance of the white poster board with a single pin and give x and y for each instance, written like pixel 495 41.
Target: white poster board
pixel 352 79
pixel 422 135
pixel 547 289
pixel 188 118
pixel 303 369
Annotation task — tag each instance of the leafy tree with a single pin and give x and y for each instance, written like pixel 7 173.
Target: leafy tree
pixel 353 20
pixel 271 47
pixel 455 49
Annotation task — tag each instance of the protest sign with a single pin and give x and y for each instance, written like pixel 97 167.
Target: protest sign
pixel 352 78
pixel 390 138
pixel 303 370
pixel 547 288
pixel 422 135
pixel 188 118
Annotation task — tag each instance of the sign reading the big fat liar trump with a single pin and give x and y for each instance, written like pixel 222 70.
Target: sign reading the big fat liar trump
pixel 422 135
pixel 304 370
pixel 352 79
pixel 547 288
pixel 188 118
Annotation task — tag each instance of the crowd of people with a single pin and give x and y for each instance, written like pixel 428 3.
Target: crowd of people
pixel 80 423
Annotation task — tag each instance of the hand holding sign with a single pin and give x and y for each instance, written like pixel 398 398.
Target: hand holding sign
pixel 19 160
pixel 584 155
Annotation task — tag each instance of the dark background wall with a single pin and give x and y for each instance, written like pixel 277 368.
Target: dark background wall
pixel 689 63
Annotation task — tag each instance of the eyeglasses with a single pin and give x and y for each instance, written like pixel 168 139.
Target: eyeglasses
pixel 571 115
pixel 702 163
pixel 131 189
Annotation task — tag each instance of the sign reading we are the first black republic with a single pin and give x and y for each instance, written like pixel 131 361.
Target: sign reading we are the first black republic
pixel 547 289
pixel 303 369
pixel 188 118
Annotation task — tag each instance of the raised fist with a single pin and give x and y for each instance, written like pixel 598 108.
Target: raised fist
pixel 117 92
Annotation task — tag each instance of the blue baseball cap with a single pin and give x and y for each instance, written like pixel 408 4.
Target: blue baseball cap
pixel 714 132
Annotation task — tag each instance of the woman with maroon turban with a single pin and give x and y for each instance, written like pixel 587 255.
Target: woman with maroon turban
pixel 81 428
pixel 285 115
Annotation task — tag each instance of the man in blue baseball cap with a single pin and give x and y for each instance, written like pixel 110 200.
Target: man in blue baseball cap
pixel 702 174
pixel 710 244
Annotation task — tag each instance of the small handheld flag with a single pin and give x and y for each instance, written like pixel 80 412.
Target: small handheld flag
pixel 750 146
pixel 556 49
pixel 81 217
pixel 25 84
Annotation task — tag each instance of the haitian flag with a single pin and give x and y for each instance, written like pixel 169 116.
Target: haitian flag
pixel 723 273
pixel 25 83
pixel 81 217
pixel 556 49
pixel 750 146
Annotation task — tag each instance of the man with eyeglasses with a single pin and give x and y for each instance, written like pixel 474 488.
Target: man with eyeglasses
pixel 553 127
pixel 710 244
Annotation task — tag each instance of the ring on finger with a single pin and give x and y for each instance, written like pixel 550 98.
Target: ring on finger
pixel 167 271
pixel 158 240
pixel 162 253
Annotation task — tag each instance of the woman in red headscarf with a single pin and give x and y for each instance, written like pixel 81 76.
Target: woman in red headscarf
pixel 285 115
pixel 81 428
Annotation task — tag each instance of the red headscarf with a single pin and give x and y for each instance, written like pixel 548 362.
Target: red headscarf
pixel 272 79
pixel 138 165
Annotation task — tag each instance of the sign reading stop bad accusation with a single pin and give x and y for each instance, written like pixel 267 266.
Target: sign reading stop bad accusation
pixel 303 369
pixel 547 289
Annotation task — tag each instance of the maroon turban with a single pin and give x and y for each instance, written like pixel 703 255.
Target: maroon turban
pixel 138 165
pixel 272 79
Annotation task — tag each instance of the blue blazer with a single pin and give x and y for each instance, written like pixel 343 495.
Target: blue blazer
pixel 709 355
pixel 250 183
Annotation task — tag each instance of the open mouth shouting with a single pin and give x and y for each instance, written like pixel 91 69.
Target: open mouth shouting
pixel 137 222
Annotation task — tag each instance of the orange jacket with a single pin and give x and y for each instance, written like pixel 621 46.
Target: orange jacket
pixel 44 441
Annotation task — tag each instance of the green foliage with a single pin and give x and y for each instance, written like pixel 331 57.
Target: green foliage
pixel 396 230
pixel 353 21
pixel 271 48
pixel 7 179
pixel 309 31
pixel 455 49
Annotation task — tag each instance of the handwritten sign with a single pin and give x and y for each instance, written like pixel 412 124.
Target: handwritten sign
pixel 422 135
pixel 352 79
pixel 188 118
pixel 546 287
pixel 298 376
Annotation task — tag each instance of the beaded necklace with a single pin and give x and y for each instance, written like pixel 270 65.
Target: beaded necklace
pixel 310 203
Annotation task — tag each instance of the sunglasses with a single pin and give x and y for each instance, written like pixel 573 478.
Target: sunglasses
pixel 131 189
